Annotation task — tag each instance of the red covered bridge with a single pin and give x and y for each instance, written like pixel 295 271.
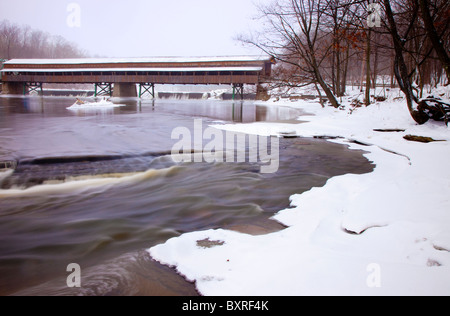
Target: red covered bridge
pixel 120 77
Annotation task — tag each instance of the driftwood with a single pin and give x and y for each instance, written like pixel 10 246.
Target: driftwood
pixel 421 139
pixel 435 109
pixel 389 130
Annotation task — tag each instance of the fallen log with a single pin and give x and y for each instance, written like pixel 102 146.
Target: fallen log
pixel 421 139
pixel 438 110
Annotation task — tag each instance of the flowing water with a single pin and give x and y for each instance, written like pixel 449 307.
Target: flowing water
pixel 97 187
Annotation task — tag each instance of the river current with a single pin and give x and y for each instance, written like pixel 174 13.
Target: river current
pixel 97 187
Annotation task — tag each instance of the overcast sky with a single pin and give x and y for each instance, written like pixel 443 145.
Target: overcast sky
pixel 140 28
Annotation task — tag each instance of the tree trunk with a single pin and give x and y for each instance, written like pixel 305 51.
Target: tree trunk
pixel 368 49
pixel 434 37
pixel 375 70
pixel 401 70
pixel 344 75
pixel 320 94
pixel 325 88
pixel 321 81
pixel 392 71
pixel 333 73
pixel 329 94
pixel 339 92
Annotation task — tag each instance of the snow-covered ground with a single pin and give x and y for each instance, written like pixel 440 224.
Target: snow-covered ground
pixel 382 233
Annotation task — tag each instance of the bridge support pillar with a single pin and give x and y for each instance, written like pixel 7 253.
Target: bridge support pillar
pixel 103 89
pixel 12 88
pixel 238 91
pixel 262 93
pixel 147 88
pixel 29 87
pixel 124 90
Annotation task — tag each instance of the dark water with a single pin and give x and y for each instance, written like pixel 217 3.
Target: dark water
pixel 97 188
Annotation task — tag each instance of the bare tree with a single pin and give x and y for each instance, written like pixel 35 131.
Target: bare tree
pixel 294 37
pixel 409 58
pixel 432 32
pixel 9 34
pixel 23 42
pixel 315 41
pixel 342 16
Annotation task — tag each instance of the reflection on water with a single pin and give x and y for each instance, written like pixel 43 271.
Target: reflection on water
pixel 229 111
pixel 113 191
pixel 43 127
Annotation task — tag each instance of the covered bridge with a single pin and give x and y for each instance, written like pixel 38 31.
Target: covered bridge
pixel 119 77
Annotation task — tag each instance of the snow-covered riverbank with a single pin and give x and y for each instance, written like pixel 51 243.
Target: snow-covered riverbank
pixel 383 233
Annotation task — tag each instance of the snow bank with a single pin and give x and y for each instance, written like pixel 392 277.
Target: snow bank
pixel 383 233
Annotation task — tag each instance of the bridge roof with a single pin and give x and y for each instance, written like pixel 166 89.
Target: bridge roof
pixel 193 69
pixel 146 60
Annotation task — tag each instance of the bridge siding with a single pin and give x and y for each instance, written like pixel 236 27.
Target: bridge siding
pixel 156 79
pixel 121 65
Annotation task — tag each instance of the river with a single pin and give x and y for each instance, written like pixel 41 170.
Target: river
pixel 97 187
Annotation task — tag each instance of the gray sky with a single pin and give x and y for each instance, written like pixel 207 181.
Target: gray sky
pixel 140 28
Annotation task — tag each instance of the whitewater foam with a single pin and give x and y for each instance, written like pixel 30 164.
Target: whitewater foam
pixel 85 183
